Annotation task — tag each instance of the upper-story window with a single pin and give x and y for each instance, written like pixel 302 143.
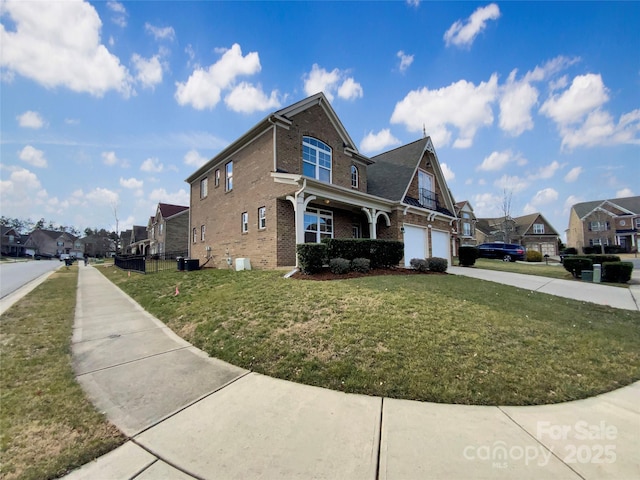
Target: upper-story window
pixel 538 228
pixel 228 176
pixel 466 229
pixel 599 226
pixel 355 177
pixel 217 178
pixel 262 218
pixel 244 220
pixel 204 187
pixel 316 159
pixel 160 228
pixel 195 235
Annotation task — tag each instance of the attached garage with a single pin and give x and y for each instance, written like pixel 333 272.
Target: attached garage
pixel 544 248
pixel 415 243
pixel 440 242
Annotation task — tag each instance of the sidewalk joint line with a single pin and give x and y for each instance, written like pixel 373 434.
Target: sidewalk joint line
pixel 540 443
pixel 132 361
pixel 377 477
pixel 137 474
pixel 168 462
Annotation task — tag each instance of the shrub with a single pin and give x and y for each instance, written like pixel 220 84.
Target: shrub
pixel 361 265
pixel 617 272
pixel 381 253
pixel 419 264
pixel 386 253
pixel 591 250
pixel 575 265
pixel 534 256
pixel 570 251
pixel 339 266
pixel 613 249
pixel 437 264
pixel 602 258
pixel 467 255
pixel 311 257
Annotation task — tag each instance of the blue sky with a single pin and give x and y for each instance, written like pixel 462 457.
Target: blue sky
pixel 109 106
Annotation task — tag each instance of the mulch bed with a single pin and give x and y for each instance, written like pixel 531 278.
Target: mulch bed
pixel 326 274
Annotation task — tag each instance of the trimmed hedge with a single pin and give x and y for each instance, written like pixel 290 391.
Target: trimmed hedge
pixel 381 253
pixel 437 264
pixel 311 257
pixel 613 249
pixel 534 256
pixel 602 258
pixel 575 265
pixel 361 265
pixel 419 264
pixel 617 272
pixel 570 251
pixel 339 266
pixel 467 255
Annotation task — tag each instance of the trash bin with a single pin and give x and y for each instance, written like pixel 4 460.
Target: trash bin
pixel 597 273
pixel 191 264
pixel 587 275
pixel 180 261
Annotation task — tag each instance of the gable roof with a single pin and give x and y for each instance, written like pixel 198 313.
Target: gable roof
pixel 168 210
pixel 283 117
pixel 631 204
pixel 526 221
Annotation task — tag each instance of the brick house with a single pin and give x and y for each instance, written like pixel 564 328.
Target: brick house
pixel 12 242
pixel 466 233
pixel 605 222
pixel 533 231
pixel 138 241
pixel 168 230
pixel 53 243
pixel 298 177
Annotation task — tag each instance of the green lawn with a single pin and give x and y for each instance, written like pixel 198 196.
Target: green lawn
pixel 441 338
pixel 47 426
pixel 552 270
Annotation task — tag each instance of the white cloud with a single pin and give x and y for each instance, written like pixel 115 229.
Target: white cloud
pixel 204 86
pixel 413 3
pixel 330 83
pixel 110 159
pixel 194 159
pixel 586 93
pixel 405 60
pixel 464 33
pixel 119 13
pixel 132 183
pixel 103 196
pixel 152 165
pixel 376 142
pixel 447 172
pixel 149 70
pixel 573 174
pixel 160 33
pixel 546 171
pixel 570 202
pixel 625 192
pixel 247 98
pixel 30 119
pixel 518 97
pixel 487 205
pixel 181 197
pixel 599 128
pixel 462 105
pixel 53 51
pixel 496 161
pixel 513 183
pixel 33 157
pixel 541 198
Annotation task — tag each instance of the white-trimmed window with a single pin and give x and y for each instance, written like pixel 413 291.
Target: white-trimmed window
pixel 262 218
pixel 160 228
pixel 316 159
pixel 204 187
pixel 217 178
pixel 203 230
pixel 228 179
pixel 595 242
pixel 538 228
pixel 195 235
pixel 598 226
pixel 638 223
pixel 245 222
pixel 355 177
pixel 466 229
pixel 318 224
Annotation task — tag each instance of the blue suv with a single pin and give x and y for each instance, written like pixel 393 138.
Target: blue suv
pixel 507 252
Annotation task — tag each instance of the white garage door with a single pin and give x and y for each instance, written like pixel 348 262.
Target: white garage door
pixel 548 249
pixel 415 243
pixel 440 244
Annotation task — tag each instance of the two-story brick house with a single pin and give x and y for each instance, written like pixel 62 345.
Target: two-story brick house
pixel 168 230
pixel 466 234
pixel 53 243
pixel 605 222
pixel 532 231
pixel 298 177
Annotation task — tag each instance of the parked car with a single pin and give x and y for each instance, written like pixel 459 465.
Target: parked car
pixel 507 252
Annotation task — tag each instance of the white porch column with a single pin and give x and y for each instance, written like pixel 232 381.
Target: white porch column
pixel 300 203
pixel 371 217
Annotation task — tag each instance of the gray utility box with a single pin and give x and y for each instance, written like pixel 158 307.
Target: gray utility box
pixel 587 275
pixel 597 273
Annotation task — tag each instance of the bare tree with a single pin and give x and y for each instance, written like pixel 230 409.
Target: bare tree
pixel 114 207
pixel 507 221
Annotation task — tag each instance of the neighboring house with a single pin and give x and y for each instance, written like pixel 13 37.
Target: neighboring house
pixel 297 177
pixel 12 242
pixel 605 222
pixel 139 243
pixel 168 230
pixel 532 231
pixel 99 246
pixel 50 242
pixel 466 224
pixel 124 242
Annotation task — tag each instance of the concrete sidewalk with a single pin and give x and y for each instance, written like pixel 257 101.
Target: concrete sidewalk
pixel 191 416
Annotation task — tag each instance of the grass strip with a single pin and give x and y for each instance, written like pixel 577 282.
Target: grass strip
pixel 440 338
pixel 47 425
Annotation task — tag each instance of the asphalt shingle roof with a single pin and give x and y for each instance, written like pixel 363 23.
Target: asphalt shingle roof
pixel 629 203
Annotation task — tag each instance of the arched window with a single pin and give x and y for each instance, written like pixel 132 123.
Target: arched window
pixel 316 159
pixel 354 176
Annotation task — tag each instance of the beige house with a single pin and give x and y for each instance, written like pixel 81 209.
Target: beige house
pixel 533 231
pixel 466 234
pixel 168 231
pixel 297 177
pixel 52 243
pixel 605 222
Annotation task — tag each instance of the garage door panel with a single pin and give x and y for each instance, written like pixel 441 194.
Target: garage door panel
pixel 440 244
pixel 415 243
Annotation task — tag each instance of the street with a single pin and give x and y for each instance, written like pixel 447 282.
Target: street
pixel 17 274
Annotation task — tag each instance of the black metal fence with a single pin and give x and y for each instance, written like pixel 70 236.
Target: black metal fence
pixel 150 263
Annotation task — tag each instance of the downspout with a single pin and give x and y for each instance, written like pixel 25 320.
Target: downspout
pixel 296 205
